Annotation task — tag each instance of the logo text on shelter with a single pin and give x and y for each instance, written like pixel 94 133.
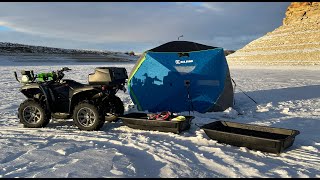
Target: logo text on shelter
pixel 183 61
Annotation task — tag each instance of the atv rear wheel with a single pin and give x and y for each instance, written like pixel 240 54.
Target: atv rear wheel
pixel 33 114
pixel 87 117
pixel 116 109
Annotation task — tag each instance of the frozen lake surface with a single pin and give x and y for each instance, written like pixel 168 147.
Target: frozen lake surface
pixel 288 97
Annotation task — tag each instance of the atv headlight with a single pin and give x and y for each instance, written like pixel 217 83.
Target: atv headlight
pixel 24 79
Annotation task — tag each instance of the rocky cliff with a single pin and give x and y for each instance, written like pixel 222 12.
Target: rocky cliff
pixel 296 42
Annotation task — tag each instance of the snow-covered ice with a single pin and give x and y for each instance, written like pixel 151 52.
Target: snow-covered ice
pixel 287 98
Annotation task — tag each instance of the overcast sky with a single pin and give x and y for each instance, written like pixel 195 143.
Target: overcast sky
pixel 137 26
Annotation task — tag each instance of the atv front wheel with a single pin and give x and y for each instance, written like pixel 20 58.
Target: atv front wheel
pixel 87 117
pixel 33 114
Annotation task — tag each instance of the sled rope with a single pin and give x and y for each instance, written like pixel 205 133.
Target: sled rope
pixel 241 91
pixel 199 126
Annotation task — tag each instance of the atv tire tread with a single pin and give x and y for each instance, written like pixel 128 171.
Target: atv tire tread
pixel 99 122
pixel 43 110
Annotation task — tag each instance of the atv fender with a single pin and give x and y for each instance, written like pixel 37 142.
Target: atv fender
pixel 49 97
pixel 34 88
pixel 82 94
pixel 30 90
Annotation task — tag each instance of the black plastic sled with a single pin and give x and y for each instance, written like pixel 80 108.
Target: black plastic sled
pixel 141 121
pixel 263 138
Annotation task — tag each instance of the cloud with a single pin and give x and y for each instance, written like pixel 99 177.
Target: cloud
pixel 139 24
pixel 212 6
pixel 203 6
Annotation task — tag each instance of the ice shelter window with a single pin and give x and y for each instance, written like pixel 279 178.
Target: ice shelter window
pixel 184 69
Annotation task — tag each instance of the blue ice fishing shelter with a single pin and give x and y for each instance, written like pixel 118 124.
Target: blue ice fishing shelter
pixel 181 76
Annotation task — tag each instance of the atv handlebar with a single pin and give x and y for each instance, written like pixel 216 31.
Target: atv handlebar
pixel 65 69
pixel 60 73
pixel 56 76
pixel 16 76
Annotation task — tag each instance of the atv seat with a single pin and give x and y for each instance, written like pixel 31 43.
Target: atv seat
pixel 73 84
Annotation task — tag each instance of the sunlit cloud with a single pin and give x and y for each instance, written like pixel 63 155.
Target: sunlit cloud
pixel 203 6
pixel 139 25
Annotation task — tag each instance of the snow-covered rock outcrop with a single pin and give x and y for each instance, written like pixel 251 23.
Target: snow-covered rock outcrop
pixel 296 42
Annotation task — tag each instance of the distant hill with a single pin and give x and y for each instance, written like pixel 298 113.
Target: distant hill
pixel 6 47
pixel 19 50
